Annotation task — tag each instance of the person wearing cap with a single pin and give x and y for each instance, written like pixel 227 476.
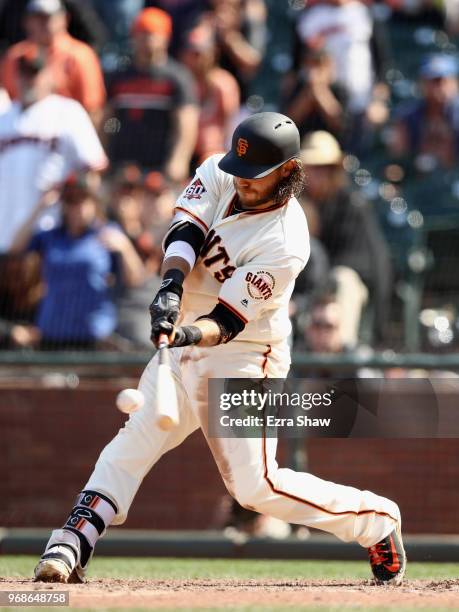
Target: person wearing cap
pixel 348 230
pixel 153 103
pixel 74 66
pixel 185 15
pixel 236 243
pixel 83 22
pixel 80 259
pixel 427 129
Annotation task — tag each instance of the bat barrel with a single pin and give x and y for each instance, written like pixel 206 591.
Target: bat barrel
pixel 166 392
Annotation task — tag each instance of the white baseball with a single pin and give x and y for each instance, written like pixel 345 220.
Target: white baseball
pixel 130 400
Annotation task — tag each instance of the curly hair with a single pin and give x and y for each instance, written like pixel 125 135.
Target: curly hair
pixel 292 185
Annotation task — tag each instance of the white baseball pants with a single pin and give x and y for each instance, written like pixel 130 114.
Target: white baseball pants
pixel 247 465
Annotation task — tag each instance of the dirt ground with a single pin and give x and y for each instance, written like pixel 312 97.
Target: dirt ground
pixel 157 594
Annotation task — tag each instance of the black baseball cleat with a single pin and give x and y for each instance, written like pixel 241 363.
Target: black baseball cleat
pixel 57 565
pixel 388 559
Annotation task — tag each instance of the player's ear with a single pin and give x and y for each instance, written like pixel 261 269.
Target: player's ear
pixel 287 168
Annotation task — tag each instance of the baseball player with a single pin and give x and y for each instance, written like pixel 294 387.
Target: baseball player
pixel 233 250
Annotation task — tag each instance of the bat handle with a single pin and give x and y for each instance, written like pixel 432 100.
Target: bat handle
pixel 163 343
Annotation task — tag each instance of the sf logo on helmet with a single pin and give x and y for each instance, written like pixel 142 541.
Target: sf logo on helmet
pixel 242 146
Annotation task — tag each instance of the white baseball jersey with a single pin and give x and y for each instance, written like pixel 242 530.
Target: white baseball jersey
pixel 249 260
pixel 39 147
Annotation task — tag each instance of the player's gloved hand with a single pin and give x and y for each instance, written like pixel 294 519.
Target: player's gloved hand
pixel 185 336
pixel 179 336
pixel 158 327
pixel 165 309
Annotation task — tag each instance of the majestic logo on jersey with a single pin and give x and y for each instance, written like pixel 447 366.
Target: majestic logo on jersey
pixel 212 243
pixel 194 191
pixel 260 285
pixel 242 146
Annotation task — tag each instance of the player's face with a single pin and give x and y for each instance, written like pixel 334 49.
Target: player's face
pixel 256 193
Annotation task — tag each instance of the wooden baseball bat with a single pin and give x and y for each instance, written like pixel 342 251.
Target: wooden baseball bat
pixel 166 392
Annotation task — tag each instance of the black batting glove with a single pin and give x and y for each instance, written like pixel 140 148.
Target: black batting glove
pixel 186 336
pixel 165 309
pixel 158 327
pixel 183 336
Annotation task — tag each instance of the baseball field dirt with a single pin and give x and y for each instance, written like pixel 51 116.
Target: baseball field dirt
pixel 250 594
pixel 241 586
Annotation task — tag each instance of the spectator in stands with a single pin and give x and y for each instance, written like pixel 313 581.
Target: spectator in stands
pixel 218 93
pixel 159 205
pixel 430 13
pixel 128 209
pixel 118 15
pixel 323 333
pixel 352 37
pixel 185 14
pixel 348 229
pixel 312 281
pixel 241 38
pixel 318 101
pixel 153 103
pixel 43 137
pixel 427 129
pixel 82 259
pixel 452 16
pixel 322 330
pixel 83 22
pixel 74 65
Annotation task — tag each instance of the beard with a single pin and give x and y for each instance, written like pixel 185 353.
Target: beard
pixel 256 203
pixel 288 187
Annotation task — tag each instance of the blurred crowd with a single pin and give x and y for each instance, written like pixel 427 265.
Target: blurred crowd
pixel 108 106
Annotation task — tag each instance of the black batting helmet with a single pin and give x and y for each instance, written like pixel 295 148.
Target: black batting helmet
pixel 260 144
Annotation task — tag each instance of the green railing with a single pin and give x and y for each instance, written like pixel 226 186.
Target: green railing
pixel 385 359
